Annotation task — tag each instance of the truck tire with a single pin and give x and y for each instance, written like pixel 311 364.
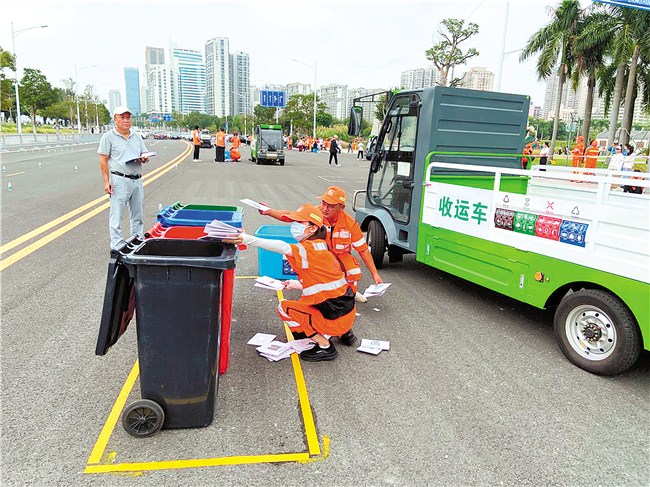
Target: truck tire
pixel 597 332
pixel 257 161
pixel 282 162
pixel 376 237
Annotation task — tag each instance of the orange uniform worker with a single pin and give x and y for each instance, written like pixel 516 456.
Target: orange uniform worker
pixel 578 151
pixel 591 156
pixel 326 307
pixel 235 155
pixel 343 235
pixel 196 141
pixel 220 146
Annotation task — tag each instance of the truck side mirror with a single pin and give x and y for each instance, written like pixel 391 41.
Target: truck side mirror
pixel 354 125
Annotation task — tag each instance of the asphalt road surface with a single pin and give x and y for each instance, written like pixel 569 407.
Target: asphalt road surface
pixel 474 390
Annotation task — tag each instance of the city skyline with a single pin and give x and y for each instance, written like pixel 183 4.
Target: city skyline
pixel 358 49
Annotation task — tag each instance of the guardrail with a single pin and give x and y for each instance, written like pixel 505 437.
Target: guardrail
pixel 28 141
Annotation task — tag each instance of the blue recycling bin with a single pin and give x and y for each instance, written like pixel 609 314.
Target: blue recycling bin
pixel 175 217
pixel 273 264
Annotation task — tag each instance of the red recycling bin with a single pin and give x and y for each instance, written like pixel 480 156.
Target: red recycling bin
pixel 193 233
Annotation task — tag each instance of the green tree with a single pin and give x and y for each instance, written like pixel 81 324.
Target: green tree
pixel 553 43
pixel 299 112
pixel 324 119
pixel 8 62
pixel 588 51
pixel 446 54
pixel 264 115
pixel 36 92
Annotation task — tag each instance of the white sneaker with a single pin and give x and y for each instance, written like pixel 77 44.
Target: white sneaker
pixel 338 165
pixel 360 298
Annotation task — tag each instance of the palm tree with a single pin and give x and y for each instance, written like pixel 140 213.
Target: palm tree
pixel 589 50
pixel 553 42
pixel 625 29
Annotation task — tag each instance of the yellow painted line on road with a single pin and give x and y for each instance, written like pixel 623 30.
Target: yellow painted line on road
pixel 314 450
pixel 303 397
pixel 13 174
pixel 21 254
pixel 107 430
pixel 200 462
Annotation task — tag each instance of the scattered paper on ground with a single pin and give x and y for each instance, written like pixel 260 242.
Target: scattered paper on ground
pixel 373 347
pixel 260 339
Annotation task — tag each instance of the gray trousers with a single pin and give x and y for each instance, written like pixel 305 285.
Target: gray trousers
pixel 127 193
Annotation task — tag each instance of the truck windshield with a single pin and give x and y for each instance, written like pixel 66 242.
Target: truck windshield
pixel 391 186
pixel 270 139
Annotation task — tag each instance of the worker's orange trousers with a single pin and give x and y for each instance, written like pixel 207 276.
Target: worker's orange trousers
pixel 307 319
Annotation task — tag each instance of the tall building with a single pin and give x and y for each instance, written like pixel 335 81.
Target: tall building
pixel 114 100
pixel 132 85
pixel 217 76
pixel 415 79
pixel 159 90
pixel 335 98
pixel 240 83
pixel 154 55
pixel 569 101
pixel 478 78
pixel 187 80
pixel 298 89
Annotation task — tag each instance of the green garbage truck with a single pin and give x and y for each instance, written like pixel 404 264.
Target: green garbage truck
pixel 446 184
pixel 267 144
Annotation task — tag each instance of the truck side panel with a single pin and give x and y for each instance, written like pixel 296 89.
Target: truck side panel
pixel 512 272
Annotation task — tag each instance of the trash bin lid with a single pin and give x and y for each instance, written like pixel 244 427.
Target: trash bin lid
pixel 119 306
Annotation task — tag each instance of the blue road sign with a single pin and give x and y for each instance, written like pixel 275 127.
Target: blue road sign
pixel 167 118
pixel 154 119
pixel 640 4
pixel 276 99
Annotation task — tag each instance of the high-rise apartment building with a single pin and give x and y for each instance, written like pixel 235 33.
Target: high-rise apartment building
pixel 114 100
pixel 478 78
pixel 132 85
pixel 159 90
pixel 415 79
pixel 240 83
pixel 298 89
pixel 187 80
pixel 217 76
pixel 335 98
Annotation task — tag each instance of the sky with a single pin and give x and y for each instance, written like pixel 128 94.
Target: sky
pixel 358 43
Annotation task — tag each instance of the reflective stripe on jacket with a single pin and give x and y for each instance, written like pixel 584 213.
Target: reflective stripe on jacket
pixel 344 236
pixel 318 270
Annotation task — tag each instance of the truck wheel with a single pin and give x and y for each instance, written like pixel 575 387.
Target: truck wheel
pixel 258 161
pixel 143 418
pixel 282 162
pixel 376 237
pixel 597 332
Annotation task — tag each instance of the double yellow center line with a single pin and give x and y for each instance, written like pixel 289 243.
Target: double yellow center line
pixel 33 247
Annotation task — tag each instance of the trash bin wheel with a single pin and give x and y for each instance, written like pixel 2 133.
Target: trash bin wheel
pixel 143 418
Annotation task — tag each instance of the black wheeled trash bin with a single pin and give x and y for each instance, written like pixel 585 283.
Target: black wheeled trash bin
pixel 175 287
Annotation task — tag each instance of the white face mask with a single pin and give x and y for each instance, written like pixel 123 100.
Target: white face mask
pixel 298 231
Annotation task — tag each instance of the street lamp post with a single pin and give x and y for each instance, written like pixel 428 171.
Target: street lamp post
pixel 315 69
pixel 76 92
pixel 14 34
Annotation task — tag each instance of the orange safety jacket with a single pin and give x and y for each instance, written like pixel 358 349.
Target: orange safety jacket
pixel 318 270
pixel 591 156
pixel 577 152
pixel 221 139
pixel 236 142
pixel 196 137
pixel 344 236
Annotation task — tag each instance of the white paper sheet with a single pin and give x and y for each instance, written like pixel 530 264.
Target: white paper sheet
pixel 255 204
pixel 260 339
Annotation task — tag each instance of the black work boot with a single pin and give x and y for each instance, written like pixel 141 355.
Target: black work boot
pixel 318 353
pixel 348 338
